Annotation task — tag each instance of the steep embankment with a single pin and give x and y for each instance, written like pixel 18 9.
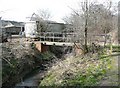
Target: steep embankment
pixel 86 70
pixel 33 78
pixel 20 59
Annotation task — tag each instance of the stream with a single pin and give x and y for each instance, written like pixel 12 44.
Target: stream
pixel 33 78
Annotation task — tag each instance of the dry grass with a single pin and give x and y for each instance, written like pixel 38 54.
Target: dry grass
pixel 70 67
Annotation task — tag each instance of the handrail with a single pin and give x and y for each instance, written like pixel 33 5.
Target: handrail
pixel 65 36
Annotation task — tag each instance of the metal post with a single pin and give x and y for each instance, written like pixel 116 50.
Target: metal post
pixel 21 37
pixel 53 36
pixel 40 36
pixel 44 36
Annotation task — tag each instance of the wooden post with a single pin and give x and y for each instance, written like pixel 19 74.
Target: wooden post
pixel 111 45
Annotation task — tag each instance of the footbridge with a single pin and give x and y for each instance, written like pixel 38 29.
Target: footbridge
pixel 69 38
pixel 58 38
pixel 72 39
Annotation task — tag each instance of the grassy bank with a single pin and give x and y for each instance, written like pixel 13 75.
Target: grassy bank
pixel 81 71
pixel 115 48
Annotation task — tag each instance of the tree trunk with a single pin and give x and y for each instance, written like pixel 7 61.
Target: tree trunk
pixel 86 26
pixel 86 48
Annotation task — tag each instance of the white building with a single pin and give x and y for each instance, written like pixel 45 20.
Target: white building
pixel 30 29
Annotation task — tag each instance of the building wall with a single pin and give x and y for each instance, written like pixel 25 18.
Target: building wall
pixel 30 29
pixel 56 27
pixel 13 30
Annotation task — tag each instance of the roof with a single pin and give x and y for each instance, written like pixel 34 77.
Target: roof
pixel 6 24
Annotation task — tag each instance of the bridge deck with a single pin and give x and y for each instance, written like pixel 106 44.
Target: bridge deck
pixel 57 43
pixel 65 39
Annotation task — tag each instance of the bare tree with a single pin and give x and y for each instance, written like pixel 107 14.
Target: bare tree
pixel 86 25
pixel 44 14
pixel 94 19
pixel 76 19
pixel 42 19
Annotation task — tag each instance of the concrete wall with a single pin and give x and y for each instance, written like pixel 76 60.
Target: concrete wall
pixel 40 47
pixel 44 48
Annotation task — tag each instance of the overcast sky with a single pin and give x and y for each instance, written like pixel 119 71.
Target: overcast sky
pixel 18 10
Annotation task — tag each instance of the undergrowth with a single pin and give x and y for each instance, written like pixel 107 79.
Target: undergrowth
pixel 91 76
pixel 93 70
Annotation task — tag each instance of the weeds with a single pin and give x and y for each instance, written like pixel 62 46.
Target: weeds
pixel 88 73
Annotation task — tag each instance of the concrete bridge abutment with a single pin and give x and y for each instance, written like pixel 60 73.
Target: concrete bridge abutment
pixel 41 47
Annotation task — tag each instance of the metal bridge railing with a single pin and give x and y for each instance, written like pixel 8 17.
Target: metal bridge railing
pixel 70 37
pixel 57 36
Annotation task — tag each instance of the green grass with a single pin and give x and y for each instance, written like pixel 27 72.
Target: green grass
pixel 49 79
pixel 91 76
pixel 114 47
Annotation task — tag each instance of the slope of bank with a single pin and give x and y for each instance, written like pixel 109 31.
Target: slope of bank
pixel 84 70
pixel 18 60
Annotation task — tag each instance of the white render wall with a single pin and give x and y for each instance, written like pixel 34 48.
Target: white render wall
pixel 30 29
